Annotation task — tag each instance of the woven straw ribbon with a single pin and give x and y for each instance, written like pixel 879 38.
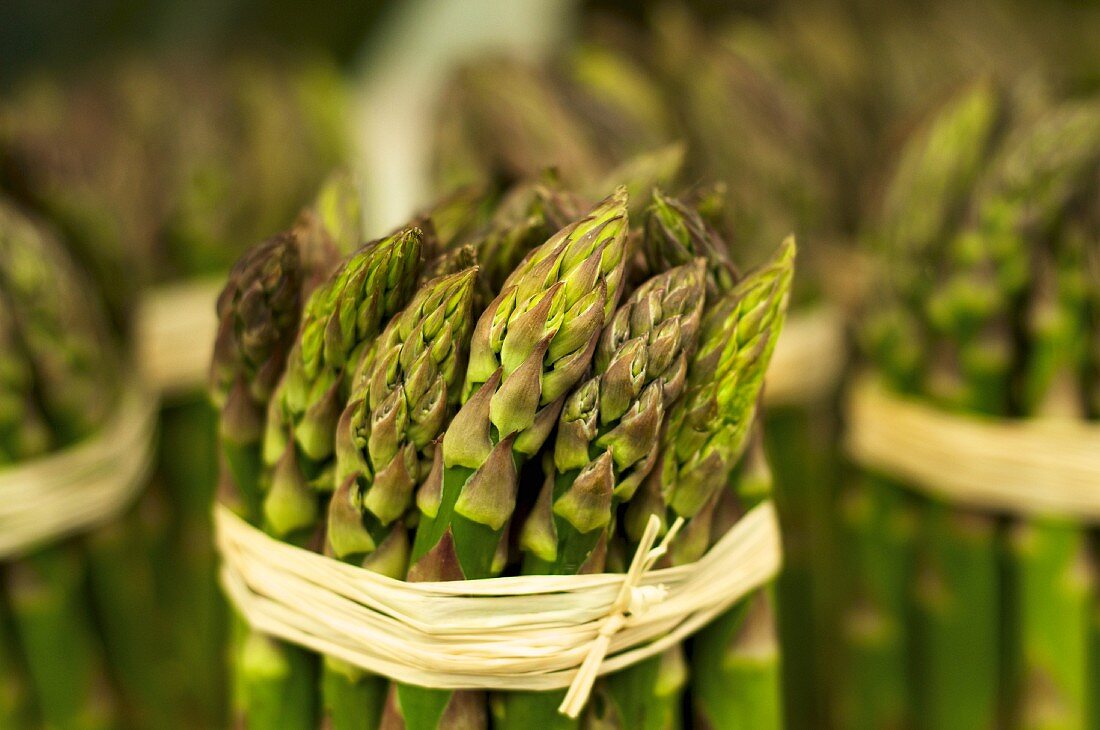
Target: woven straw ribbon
pixel 75 489
pixel 1034 467
pixel 512 633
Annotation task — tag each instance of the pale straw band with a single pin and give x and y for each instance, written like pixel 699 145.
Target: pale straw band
pixel 809 357
pixel 512 633
pixel 175 329
pixel 82 486
pixel 1033 467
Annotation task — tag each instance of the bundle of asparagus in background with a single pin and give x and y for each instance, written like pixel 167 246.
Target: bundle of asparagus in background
pixel 164 172
pixel 959 617
pixel 502 386
pixel 80 635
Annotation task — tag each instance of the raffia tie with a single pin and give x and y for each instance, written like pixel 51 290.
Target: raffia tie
pixel 633 599
pixel 532 633
pixel 1044 467
pixel 82 486
pixel 175 329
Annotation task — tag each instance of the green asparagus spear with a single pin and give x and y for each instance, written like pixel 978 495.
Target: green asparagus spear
pixel 400 404
pixel 708 429
pixel 530 347
pixel 340 321
pixel 258 313
pixel 1053 564
pixel 675 234
pixel 735 680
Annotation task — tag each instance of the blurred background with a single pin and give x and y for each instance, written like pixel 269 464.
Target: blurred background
pixel 161 139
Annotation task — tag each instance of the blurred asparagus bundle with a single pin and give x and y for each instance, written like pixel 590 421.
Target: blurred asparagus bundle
pixel 961 618
pixel 426 417
pixel 81 634
pixel 165 171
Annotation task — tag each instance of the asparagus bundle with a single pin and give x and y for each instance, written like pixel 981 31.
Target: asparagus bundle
pixel 1024 199
pixel 163 170
pixel 60 383
pixel 985 650
pixel 779 123
pixel 923 203
pixel 616 412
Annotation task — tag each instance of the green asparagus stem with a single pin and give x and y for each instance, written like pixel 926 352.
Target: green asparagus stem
pixel 736 663
pixel 386 438
pixel 340 321
pixel 708 429
pixel 527 215
pixel 59 381
pixel 16 707
pixel 1054 572
pixel 1092 409
pixel 258 313
pixel 529 348
pixel 607 443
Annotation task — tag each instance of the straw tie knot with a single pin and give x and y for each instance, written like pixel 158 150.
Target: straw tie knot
pixel 633 599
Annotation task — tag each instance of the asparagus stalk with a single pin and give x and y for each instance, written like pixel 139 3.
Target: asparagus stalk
pixel 16 708
pixel 607 444
pixel 385 444
pixel 1092 405
pixel 529 348
pixel 339 323
pixel 59 387
pixel 736 662
pixel 258 312
pixel 925 199
pixel 675 233
pixel 1054 573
